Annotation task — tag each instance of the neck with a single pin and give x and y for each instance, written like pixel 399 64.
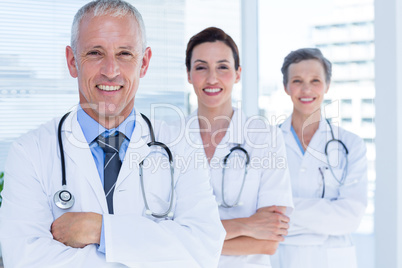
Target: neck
pixel 106 121
pixel 216 118
pixel 107 118
pixel 306 125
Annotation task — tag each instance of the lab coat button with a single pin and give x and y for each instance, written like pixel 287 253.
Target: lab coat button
pixel 302 169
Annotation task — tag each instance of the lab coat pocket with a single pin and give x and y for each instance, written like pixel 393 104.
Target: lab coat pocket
pixel 331 183
pixel 343 257
pixel 158 204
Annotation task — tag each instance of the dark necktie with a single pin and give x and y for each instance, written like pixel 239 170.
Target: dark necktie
pixel 111 146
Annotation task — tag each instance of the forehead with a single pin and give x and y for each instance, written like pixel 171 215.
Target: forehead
pixel 106 29
pixel 214 51
pixel 307 67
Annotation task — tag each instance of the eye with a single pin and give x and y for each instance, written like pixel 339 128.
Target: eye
pixel 316 81
pixel 199 67
pixel 223 67
pixel 296 81
pixel 125 54
pixel 93 53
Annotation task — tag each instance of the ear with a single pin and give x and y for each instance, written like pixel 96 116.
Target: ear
pixel 286 90
pixel 238 75
pixel 145 61
pixel 326 90
pixel 71 63
pixel 189 77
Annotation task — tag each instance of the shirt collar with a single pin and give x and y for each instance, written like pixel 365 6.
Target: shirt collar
pixel 92 129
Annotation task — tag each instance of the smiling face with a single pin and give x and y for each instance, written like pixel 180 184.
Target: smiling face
pixel 306 86
pixel 213 74
pixel 108 64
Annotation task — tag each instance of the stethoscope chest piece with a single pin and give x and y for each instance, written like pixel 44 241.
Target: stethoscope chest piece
pixel 63 199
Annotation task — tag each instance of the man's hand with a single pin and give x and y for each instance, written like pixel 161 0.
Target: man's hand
pixel 77 229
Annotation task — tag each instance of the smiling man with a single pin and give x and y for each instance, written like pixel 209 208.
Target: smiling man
pixel 113 222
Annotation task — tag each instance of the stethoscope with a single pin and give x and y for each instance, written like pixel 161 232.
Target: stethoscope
pixel 341 181
pixel 65 200
pixel 237 200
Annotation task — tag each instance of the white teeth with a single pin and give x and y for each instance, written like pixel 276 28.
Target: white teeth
pixel 212 90
pixel 109 88
pixel 306 99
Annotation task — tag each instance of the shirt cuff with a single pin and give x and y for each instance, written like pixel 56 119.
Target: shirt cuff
pixel 102 246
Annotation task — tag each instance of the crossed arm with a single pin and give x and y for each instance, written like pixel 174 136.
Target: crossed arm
pixel 77 229
pixel 257 234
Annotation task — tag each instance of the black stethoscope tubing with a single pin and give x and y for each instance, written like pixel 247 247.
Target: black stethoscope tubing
pixel 63 163
pixel 65 200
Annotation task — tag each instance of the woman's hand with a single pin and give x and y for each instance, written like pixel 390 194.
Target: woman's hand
pixel 268 223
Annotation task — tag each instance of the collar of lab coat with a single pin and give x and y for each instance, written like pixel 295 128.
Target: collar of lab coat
pixel 322 127
pixel 234 134
pixel 317 143
pixel 138 140
pixel 77 149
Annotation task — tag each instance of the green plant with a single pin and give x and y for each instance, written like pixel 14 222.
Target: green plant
pixel 1 185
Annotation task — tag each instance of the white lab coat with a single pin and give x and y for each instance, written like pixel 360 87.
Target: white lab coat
pixel 319 233
pixel 267 182
pixel 33 174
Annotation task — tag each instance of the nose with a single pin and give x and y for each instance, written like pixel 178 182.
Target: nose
pixel 306 87
pixel 110 67
pixel 212 77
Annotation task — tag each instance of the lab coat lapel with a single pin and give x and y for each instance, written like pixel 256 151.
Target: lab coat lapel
pixel 235 133
pixel 137 150
pixel 77 151
pixel 193 130
pixel 317 143
pixel 288 137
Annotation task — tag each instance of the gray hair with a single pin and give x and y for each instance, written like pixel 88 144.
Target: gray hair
pixel 306 54
pixel 114 8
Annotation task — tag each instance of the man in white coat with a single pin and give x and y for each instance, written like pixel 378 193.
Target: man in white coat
pixel 108 56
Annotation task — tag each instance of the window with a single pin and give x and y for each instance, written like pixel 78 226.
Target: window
pixel 35 84
pixel 345 34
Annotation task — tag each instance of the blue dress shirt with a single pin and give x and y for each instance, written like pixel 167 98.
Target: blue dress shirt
pixel 297 139
pixel 92 129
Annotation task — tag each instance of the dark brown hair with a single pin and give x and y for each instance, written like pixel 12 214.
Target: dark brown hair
pixel 211 34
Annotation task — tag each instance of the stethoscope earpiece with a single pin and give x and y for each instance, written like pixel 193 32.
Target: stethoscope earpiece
pixel 148 212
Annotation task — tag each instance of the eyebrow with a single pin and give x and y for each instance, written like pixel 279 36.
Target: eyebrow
pixel 121 47
pixel 203 61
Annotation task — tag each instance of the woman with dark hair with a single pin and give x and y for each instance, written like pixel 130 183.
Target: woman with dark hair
pixel 246 157
pixel 328 170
